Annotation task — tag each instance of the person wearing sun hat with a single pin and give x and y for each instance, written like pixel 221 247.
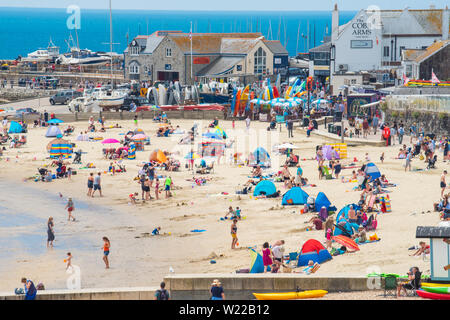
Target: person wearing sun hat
pixel 217 290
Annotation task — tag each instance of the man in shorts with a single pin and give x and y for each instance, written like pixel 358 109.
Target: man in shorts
pixel 97 185
pixel 167 186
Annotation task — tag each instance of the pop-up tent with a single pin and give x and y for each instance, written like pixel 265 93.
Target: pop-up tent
pixel 266 187
pixel 348 227
pixel 257 265
pixel 60 147
pixel 15 127
pixel 294 196
pixel 53 131
pixel 158 155
pixel 329 153
pixel 259 157
pixel 322 201
pixel 372 170
pixel 313 250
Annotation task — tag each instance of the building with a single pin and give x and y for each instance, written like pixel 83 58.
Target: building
pixel 418 63
pixel 166 56
pixel 319 63
pixel 375 39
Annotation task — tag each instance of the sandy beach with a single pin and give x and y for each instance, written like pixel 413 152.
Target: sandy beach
pixel 139 259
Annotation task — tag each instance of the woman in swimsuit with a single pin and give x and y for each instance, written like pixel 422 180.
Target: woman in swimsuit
pixel 234 234
pixel 286 175
pixel 146 189
pixel 90 184
pixel 157 189
pixel 70 207
pixel 106 246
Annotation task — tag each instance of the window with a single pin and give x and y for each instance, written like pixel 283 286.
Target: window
pixel 133 68
pixel 260 61
pixel 134 51
pixel 386 51
pixel 239 67
pixel 168 52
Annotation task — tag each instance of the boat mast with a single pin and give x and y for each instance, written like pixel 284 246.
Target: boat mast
pixel 298 35
pixel 111 41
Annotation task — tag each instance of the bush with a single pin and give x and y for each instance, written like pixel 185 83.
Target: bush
pixel 442 115
pixel 416 114
pixel 394 114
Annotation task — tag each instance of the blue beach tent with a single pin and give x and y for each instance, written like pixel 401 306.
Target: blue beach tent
pixel 260 157
pixel 372 170
pixel 15 127
pixel 53 131
pixel 295 196
pixel 257 265
pixel 322 201
pixel 349 227
pixel 266 187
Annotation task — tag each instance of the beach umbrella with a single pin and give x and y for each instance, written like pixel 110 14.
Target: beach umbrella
pixel 55 121
pixel 346 241
pixel 219 131
pixel 289 104
pixel 137 131
pixel 139 137
pixel 192 155
pixel 259 101
pixel 110 141
pixel 277 102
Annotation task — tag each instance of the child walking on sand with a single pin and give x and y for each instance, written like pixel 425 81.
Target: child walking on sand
pixel 157 189
pixel 267 256
pixel 106 246
pixel 234 234
pixel 68 260
pixel 70 207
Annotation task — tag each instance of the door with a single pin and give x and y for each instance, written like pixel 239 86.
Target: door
pixel 168 76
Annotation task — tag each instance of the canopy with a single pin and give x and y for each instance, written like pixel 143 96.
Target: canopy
pixel 295 196
pixel 259 101
pixel 329 153
pixel 372 170
pixel 346 241
pixel 54 121
pixel 257 265
pixel 110 141
pixel 266 187
pixel 260 157
pixel 158 155
pixel 322 201
pixel 192 155
pixel 53 131
pixel 313 250
pixel 15 127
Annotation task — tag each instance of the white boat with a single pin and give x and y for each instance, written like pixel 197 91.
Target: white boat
pixel 41 55
pixel 83 57
pixel 84 104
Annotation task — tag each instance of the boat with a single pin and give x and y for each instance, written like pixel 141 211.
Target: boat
pixel 431 284
pixel 445 290
pixel 84 104
pixel 430 295
pixel 106 97
pixel 42 55
pixel 83 57
pixel 290 295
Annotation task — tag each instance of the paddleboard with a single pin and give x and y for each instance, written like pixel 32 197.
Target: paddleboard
pixel 434 296
pixel 276 94
pixel 290 295
pixel 233 101
pixel 238 100
pixel 430 284
pixel 444 290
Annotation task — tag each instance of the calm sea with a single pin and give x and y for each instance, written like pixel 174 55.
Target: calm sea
pixel 23 30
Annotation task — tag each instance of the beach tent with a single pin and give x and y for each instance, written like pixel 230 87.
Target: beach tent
pixel 372 170
pixel 322 201
pixel 158 155
pixel 260 157
pixel 137 131
pixel 266 187
pixel 295 196
pixel 211 148
pixel 132 152
pixel 329 153
pixel 257 265
pixel 15 127
pixel 349 227
pixel 53 131
pixel 219 131
pixel 313 250
pixel 60 147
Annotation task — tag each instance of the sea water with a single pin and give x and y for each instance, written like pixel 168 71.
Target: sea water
pixel 23 30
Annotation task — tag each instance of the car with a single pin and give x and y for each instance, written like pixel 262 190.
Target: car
pixel 48 81
pixel 26 111
pixel 64 96
pixel 138 101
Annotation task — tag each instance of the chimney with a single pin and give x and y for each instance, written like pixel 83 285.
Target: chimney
pixel 334 24
pixel 445 23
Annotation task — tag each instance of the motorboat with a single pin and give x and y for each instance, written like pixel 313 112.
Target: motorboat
pixel 83 57
pixel 84 104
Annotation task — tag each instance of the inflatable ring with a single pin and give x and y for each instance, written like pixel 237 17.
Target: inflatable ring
pixel 143 92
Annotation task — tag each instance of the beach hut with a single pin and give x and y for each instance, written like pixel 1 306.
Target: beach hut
pixel 132 152
pixel 322 201
pixel 53 131
pixel 294 196
pixel 15 127
pixel 313 250
pixel 265 187
pixel 257 265
pixel 59 147
pixel 259 157
pixel 158 155
pixel 372 170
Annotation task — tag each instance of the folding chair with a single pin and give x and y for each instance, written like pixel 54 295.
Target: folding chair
pixel 390 286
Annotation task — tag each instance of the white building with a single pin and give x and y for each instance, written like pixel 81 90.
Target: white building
pixel 375 39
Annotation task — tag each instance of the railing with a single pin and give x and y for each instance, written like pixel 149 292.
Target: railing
pixel 429 103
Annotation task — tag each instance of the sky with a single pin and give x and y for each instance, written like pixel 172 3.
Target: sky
pixel 253 5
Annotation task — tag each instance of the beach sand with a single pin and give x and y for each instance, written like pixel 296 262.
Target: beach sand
pixel 138 259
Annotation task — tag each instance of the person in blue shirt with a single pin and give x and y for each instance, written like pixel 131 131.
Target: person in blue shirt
pixel 155 231
pixel 30 289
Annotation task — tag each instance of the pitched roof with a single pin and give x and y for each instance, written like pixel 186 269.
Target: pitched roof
pixel 432 232
pixel 237 45
pixel 325 47
pixel 220 66
pixel 206 42
pixel 411 54
pixel 152 43
pixel 275 46
pixel 431 50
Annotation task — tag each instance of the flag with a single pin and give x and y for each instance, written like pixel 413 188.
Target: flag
pixel 405 79
pixel 434 79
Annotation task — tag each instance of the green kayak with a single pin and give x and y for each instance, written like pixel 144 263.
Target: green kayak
pixel 437 289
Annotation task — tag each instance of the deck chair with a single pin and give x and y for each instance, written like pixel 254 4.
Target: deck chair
pixel 390 286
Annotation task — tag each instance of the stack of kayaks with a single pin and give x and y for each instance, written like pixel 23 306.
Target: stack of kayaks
pixel 436 291
pixel 290 295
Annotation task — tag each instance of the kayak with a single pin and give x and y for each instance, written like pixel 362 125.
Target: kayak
pixel 431 295
pixel 290 295
pixel 430 284
pixel 444 290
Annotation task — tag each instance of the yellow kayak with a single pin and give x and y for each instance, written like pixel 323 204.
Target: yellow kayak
pixel 435 285
pixel 290 295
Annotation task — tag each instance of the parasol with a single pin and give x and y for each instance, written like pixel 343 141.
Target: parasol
pixel 346 241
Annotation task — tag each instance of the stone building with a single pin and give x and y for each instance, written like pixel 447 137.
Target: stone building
pixel 166 56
